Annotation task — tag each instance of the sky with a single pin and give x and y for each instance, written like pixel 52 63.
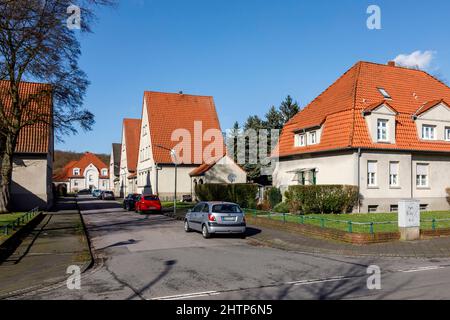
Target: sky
pixel 247 54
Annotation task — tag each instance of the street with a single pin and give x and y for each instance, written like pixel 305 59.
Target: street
pixel 151 257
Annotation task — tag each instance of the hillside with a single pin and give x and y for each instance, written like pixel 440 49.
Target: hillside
pixel 64 157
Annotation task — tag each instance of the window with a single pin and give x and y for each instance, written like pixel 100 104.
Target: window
pixel 300 140
pixel 447 133
pixel 76 172
pixel 393 174
pixel 394 208
pixel 371 173
pixel 423 207
pixel 104 172
pixel 422 175
pixel 382 130
pixel 372 209
pixel 385 94
pixel 428 132
pixel 75 183
pixel 313 137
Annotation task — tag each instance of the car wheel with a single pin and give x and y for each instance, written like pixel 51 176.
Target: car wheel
pixel 186 226
pixel 205 232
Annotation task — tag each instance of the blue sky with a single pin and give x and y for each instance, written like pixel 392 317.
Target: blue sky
pixel 247 54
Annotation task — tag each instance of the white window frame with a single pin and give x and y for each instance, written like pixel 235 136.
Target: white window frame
pixel 300 140
pixel 384 93
pixel 313 137
pixel 428 132
pixel 104 172
pixel 447 134
pixel 422 179
pixel 372 175
pixel 76 171
pixel 394 180
pixel 382 130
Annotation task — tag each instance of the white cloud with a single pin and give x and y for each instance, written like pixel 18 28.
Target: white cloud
pixel 417 59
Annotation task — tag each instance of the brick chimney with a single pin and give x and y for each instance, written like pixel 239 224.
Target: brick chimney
pixel 391 63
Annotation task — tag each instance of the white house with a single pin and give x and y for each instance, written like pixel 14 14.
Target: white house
pixel 382 128
pixel 114 168
pixel 129 156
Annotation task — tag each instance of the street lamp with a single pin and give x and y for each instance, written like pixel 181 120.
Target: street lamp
pixel 174 155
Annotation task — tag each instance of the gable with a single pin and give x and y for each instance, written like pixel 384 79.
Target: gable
pixel 440 112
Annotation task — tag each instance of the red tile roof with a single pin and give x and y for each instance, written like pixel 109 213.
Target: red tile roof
pixel 430 105
pixel 375 106
pixel 87 159
pixel 339 108
pixel 132 130
pixel 168 112
pixel 34 138
pixel 202 169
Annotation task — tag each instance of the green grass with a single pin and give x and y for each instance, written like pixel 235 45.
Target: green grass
pixel 180 205
pixel 9 217
pixel 366 218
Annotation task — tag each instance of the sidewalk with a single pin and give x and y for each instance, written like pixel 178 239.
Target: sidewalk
pixel 43 257
pixel 429 248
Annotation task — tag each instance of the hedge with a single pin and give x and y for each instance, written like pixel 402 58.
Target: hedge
pixel 273 196
pixel 321 198
pixel 242 194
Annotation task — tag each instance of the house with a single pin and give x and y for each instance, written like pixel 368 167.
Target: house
pixel 383 128
pixel 89 172
pixel 181 129
pixel 129 156
pixel 33 156
pixel 114 168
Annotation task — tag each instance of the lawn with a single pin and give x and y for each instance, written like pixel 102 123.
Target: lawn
pixel 388 220
pixel 9 217
pixel 180 205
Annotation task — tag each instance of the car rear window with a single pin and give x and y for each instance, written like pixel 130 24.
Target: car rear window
pixel 226 208
pixel 151 198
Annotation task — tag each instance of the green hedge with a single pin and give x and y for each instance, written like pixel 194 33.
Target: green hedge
pixel 242 194
pixel 273 196
pixel 322 198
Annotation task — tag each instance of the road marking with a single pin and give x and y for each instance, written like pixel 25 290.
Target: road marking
pixel 312 281
pixel 188 295
pixel 421 269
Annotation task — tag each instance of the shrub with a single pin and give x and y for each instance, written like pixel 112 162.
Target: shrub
pixel 448 195
pixel 242 194
pixel 282 207
pixel 322 198
pixel 273 196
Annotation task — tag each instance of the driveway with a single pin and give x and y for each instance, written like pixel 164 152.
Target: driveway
pixel 151 257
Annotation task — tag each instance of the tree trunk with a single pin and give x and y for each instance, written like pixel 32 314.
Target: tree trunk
pixel 6 166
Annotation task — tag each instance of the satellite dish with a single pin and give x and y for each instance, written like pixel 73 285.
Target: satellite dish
pixel 232 177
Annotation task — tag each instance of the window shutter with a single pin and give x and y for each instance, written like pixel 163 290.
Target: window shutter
pixel 372 166
pixel 393 167
pixel 422 169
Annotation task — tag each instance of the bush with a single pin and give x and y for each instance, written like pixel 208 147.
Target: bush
pixel 242 194
pixel 273 196
pixel 448 195
pixel 322 198
pixel 282 207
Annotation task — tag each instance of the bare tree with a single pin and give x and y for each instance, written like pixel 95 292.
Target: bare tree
pixel 38 43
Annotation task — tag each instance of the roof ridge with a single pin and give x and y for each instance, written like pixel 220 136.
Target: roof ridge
pixel 177 93
pixel 355 91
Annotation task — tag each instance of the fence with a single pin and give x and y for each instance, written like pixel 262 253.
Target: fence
pixel 24 219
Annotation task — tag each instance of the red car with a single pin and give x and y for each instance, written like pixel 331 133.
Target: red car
pixel 147 203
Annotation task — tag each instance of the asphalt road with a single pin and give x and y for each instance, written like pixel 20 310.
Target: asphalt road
pixel 151 257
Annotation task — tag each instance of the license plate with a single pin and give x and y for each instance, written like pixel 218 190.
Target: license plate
pixel 151 208
pixel 228 218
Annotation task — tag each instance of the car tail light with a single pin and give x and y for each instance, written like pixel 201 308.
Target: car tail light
pixel 211 217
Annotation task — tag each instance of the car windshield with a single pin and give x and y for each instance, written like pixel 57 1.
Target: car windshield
pixel 226 208
pixel 150 198
pixel 108 192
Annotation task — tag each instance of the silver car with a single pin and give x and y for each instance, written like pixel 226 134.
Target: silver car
pixel 214 218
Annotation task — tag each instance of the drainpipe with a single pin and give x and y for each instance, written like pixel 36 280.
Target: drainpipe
pixel 359 180
pixel 412 177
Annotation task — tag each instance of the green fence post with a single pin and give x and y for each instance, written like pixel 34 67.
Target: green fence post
pixel 270 217
pixel 371 228
pixel 302 219
pixel 350 227
pixel 433 226
pixel 6 230
pixel 322 222
pixel 284 217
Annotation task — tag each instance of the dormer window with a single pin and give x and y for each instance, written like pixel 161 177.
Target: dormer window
pixel 384 93
pixel 382 130
pixel 300 140
pixel 428 132
pixel 447 133
pixel 76 172
pixel 104 172
pixel 313 137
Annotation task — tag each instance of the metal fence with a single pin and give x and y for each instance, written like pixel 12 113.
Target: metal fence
pixel 24 219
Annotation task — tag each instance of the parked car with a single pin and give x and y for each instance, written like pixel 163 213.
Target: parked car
pixel 108 195
pixel 187 198
pixel 84 192
pixel 96 193
pixel 147 203
pixel 216 217
pixel 129 201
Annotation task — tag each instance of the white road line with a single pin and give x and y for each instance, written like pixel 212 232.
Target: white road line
pixel 188 295
pixel 313 281
pixel 430 268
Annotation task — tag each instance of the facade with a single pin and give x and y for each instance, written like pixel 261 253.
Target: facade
pixel 383 128
pixel 114 168
pixel 128 156
pixel 87 173
pixel 185 124
pixel 33 157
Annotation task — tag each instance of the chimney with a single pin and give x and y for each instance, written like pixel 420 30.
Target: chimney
pixel 180 92
pixel 391 63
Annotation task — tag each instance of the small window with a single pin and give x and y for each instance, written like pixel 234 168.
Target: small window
pixel 384 93
pixel 313 137
pixel 300 140
pixel 382 130
pixel 76 172
pixel 428 132
pixel 423 207
pixel 393 174
pixel 371 173
pixel 422 175
pixel 394 208
pixel 372 209
pixel 447 133
pixel 75 183
pixel 104 172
